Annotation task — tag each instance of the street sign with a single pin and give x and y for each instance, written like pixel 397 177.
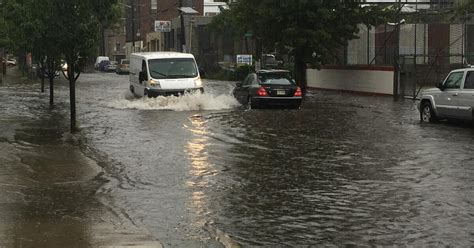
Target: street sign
pixel 244 59
pixel 162 26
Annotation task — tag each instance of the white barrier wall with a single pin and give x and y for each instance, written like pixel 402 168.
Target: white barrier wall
pixel 368 80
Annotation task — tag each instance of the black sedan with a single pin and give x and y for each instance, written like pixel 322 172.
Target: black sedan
pixel 269 88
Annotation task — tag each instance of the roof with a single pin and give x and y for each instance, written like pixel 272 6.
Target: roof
pixel 163 55
pixel 272 71
pixel 470 68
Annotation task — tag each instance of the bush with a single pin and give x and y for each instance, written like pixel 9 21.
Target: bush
pixel 242 71
pixel 238 74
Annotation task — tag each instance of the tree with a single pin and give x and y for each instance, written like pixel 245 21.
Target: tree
pixel 46 54
pixel 79 32
pixel 312 30
pixel 55 29
pixel 462 9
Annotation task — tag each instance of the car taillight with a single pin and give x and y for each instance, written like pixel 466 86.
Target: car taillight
pixel 262 92
pixel 298 92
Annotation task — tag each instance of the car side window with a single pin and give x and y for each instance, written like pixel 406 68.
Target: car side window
pixel 454 80
pixel 469 83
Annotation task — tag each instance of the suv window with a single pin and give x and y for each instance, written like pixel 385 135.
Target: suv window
pixel 454 80
pixel 469 83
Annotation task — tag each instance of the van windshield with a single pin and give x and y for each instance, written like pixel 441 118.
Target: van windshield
pixel 173 68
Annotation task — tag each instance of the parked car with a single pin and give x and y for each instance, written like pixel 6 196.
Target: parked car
pixel 452 98
pixel 98 60
pixel 123 66
pixel 269 88
pixel 112 66
pixel 269 61
pixel 103 65
pixel 9 61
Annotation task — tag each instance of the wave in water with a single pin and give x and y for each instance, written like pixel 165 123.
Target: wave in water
pixel 187 102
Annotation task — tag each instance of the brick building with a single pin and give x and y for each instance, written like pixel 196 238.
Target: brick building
pixel 141 16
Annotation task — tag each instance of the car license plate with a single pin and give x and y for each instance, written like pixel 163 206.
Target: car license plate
pixel 280 92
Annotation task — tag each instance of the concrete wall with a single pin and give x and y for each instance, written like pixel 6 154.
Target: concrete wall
pixel 376 80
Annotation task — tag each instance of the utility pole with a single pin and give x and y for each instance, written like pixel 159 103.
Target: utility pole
pixel 133 25
pixel 183 33
pixel 396 54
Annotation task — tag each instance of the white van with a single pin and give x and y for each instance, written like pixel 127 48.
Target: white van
pixel 163 73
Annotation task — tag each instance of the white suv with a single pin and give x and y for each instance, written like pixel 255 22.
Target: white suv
pixel 453 98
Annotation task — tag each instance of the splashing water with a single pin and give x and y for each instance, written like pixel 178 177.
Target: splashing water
pixel 188 102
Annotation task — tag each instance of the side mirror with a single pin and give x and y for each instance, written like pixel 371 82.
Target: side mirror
pixel 239 84
pixel 142 76
pixel 202 72
pixel 440 86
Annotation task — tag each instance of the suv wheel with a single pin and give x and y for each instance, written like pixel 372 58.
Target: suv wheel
pixel 427 113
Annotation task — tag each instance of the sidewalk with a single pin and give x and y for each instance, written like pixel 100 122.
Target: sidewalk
pixel 50 192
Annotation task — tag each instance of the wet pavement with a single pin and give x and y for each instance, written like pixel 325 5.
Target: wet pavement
pixel 201 170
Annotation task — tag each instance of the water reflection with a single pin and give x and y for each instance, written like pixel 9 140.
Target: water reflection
pixel 200 169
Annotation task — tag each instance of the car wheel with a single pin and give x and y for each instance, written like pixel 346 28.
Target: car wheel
pixel 427 113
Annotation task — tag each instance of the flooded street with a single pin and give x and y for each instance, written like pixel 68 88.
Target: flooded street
pixel 201 170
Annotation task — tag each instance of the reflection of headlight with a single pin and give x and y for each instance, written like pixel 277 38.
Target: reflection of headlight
pixel 154 83
pixel 198 82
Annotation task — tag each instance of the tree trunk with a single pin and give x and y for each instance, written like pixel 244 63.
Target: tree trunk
pixel 72 96
pixel 300 70
pixel 258 49
pixel 51 90
pixel 102 41
pixel 42 84
pixel 246 45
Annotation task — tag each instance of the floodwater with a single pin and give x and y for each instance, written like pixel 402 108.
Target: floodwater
pixel 201 170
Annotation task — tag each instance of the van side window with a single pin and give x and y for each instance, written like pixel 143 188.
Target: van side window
pixel 469 83
pixel 143 65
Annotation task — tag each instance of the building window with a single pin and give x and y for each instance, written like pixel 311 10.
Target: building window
pixel 117 46
pixel 154 4
pixel 188 3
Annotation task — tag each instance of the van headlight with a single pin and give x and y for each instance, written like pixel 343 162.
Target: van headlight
pixel 198 82
pixel 154 83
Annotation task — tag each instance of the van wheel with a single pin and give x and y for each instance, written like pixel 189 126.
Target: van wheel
pixel 145 93
pixel 132 90
pixel 427 113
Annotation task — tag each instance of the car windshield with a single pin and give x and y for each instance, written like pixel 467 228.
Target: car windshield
pixel 173 68
pixel 126 62
pixel 275 78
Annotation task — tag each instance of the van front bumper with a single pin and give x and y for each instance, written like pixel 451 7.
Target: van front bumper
pixel 173 92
